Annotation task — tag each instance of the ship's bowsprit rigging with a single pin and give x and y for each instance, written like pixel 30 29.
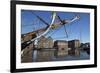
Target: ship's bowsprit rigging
pixel 49 28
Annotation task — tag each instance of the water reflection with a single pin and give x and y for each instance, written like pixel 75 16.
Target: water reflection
pixel 46 55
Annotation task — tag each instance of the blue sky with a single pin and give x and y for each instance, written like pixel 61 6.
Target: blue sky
pixel 79 29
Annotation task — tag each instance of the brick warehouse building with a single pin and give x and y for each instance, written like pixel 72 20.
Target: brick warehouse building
pixel 74 44
pixel 75 47
pixel 62 47
pixel 45 50
pixel 45 42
